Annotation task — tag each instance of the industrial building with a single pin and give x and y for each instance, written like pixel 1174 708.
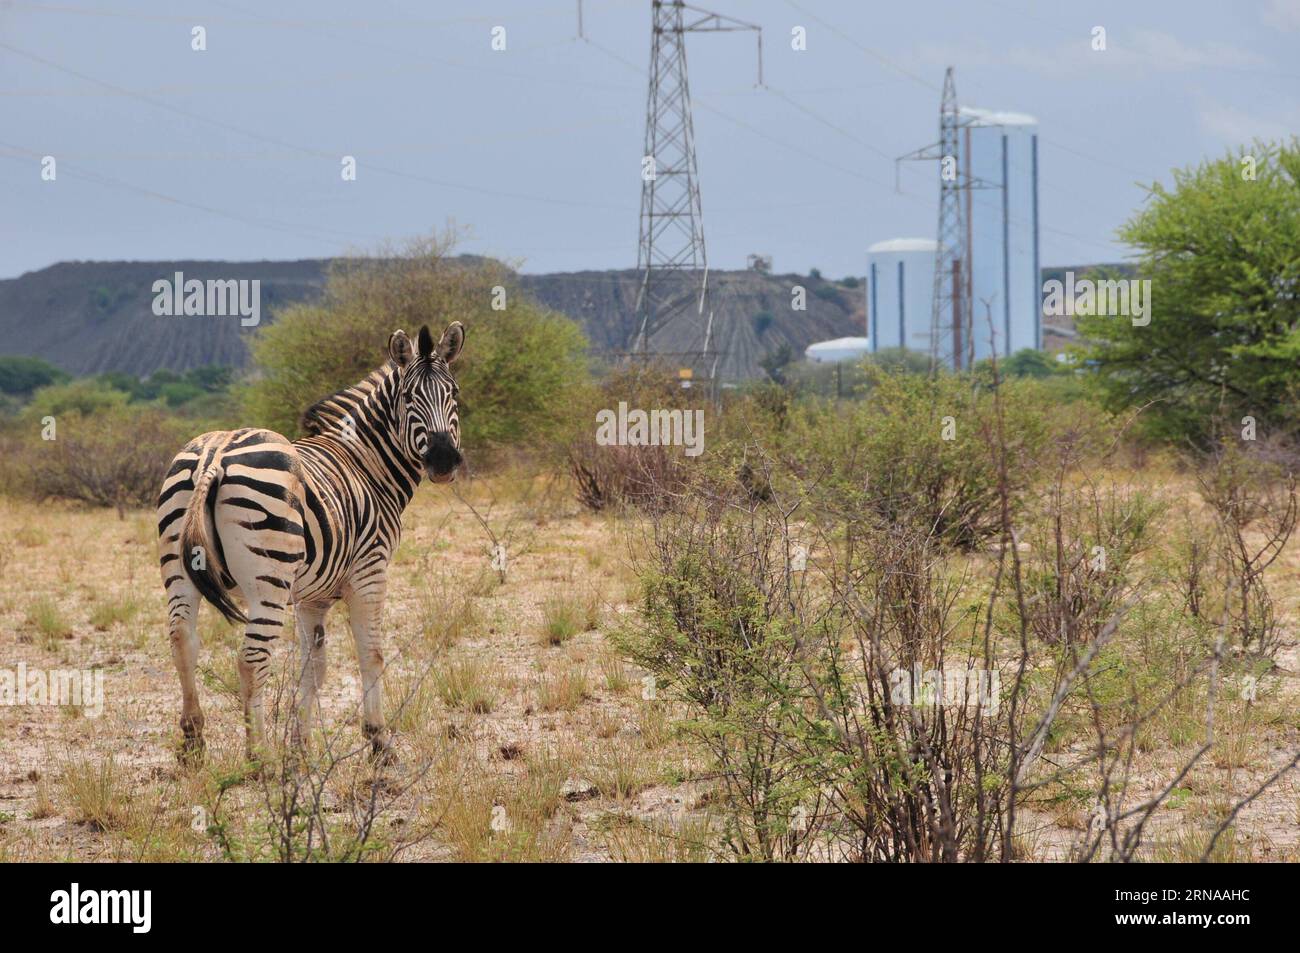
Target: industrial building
pixel 836 350
pixel 900 286
pixel 991 300
pixel 998 151
pixel 975 289
pixel 993 289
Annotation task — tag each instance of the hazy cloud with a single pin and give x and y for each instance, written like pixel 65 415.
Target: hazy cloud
pixel 1283 14
pixel 1235 127
pixel 1138 51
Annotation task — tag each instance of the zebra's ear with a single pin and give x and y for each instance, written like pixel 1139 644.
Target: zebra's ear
pixel 452 340
pixel 399 348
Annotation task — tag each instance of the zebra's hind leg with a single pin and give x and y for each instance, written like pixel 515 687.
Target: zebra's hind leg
pixel 183 633
pixel 311 644
pixel 267 614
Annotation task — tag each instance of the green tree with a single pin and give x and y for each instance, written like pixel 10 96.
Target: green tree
pixel 1027 362
pixel 120 380
pixel 775 362
pixel 85 396
pixel 180 392
pixel 517 375
pixel 210 377
pixel 900 359
pixel 23 375
pixel 1222 251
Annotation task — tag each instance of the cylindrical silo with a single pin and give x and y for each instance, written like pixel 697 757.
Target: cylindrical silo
pixel 900 284
pixel 998 152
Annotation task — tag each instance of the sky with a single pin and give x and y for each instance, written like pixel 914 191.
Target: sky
pixel 533 153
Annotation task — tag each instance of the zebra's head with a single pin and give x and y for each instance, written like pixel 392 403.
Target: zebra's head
pixel 427 417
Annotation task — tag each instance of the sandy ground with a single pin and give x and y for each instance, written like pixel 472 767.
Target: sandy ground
pixel 563 759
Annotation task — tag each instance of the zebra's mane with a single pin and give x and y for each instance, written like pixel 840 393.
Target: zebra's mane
pixel 323 417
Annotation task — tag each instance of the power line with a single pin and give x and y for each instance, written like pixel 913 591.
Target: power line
pixel 287 23
pixel 298 229
pixel 817 157
pixel 928 85
pixel 305 150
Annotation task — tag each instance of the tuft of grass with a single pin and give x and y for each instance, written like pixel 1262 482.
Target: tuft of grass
pixel 1187 844
pixel 564 616
pixel 97 793
pixel 30 536
pixel 447 611
pixel 591 613
pixel 614 672
pixel 50 625
pixel 656 727
pixel 620 770
pixel 44 805
pixel 465 685
pixel 540 793
pixel 636 841
pixel 564 690
pixel 604 724
pixel 486 821
pixel 113 612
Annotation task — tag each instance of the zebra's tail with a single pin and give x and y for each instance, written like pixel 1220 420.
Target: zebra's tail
pixel 201 544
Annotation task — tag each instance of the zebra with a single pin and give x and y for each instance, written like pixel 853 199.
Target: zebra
pixel 304 523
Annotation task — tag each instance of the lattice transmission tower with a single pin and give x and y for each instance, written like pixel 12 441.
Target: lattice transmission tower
pixel 952 311
pixel 672 307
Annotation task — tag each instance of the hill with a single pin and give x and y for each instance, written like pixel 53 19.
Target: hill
pixel 93 317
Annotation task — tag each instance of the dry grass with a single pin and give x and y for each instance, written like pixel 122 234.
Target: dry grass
pixel 96 793
pixel 49 624
pixel 563 690
pixel 506 700
pixel 565 615
pixel 465 685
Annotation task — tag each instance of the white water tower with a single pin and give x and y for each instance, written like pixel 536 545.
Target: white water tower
pixel 999 152
pixel 900 286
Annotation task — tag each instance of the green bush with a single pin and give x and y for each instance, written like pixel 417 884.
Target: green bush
pixel 900 359
pixel 23 375
pixel 618 476
pixel 829 293
pixel 1027 362
pixel 84 396
pixel 114 456
pixel 919 450
pixel 518 374
pixel 721 633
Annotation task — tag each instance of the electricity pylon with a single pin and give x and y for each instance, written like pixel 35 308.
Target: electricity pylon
pixel 671 255
pixel 951 314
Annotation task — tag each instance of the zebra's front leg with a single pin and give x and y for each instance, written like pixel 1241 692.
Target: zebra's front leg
pixel 311 644
pixel 365 613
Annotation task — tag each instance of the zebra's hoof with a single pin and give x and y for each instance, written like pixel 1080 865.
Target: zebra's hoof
pixel 381 746
pixel 191 752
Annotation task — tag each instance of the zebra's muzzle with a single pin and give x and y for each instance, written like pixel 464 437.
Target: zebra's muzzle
pixel 442 459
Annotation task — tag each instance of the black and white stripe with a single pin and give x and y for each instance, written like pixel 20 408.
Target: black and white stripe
pixel 248 515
